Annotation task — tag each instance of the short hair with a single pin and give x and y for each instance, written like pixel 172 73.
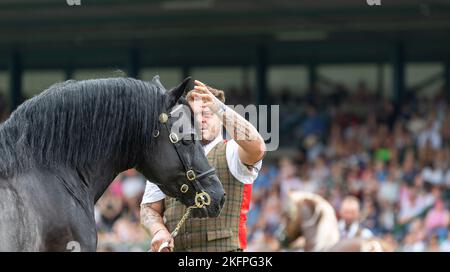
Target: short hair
pixel 219 94
pixel 351 200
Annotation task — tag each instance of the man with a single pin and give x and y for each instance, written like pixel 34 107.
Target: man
pixel 349 225
pixel 237 163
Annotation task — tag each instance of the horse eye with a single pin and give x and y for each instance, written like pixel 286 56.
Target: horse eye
pixel 186 141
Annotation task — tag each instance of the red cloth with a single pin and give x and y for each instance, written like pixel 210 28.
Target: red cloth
pixel 245 206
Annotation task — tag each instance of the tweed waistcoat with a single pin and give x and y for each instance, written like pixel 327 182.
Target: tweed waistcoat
pixel 210 234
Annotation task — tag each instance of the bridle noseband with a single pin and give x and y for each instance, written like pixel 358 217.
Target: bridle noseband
pixel 202 198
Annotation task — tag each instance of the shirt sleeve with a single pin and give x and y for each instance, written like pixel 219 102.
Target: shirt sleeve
pixel 152 193
pixel 241 172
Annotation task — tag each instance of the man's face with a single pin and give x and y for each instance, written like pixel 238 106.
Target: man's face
pixel 349 213
pixel 208 123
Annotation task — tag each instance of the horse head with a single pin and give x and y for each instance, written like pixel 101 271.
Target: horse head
pixel 177 163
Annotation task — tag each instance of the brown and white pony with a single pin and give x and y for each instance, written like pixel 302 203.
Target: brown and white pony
pixel 310 223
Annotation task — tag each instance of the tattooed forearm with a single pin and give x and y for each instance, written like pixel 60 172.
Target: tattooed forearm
pixel 151 218
pixel 238 127
pixel 245 135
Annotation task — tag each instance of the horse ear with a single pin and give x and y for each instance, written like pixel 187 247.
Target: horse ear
pixel 174 94
pixel 156 81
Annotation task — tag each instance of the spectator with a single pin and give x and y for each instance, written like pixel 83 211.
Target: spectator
pixel 414 240
pixel 412 204
pixel 430 135
pixel 437 219
pixel 388 191
pixel 432 174
pixel 349 225
pixel 387 217
pixel 313 123
pixel 289 181
pixel 433 244
pixel 416 124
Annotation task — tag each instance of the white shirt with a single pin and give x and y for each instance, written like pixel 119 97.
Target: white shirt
pixel 237 168
pixel 431 135
pixel 353 230
pixel 408 209
pixel 435 176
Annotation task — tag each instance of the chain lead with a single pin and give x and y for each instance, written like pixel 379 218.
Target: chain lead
pixel 181 222
pixel 187 214
pixel 206 200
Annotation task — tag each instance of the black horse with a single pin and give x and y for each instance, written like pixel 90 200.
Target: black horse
pixel 60 150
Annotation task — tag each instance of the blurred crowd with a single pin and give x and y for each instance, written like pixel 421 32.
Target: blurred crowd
pixel 393 159
pixel 117 214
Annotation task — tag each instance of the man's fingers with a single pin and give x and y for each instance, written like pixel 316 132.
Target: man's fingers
pixel 154 247
pixel 202 89
pixel 201 96
pixel 199 83
pixel 198 93
pixel 160 246
pixel 164 247
pixel 189 95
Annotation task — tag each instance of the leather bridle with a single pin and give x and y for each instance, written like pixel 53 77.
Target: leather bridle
pixel 202 198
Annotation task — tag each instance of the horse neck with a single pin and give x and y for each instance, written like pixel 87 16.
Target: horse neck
pixel 321 233
pixel 101 173
pixel 309 228
pixel 99 176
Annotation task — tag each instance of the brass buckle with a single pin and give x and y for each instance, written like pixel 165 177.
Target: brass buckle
pixel 190 175
pixel 163 117
pixel 202 199
pixel 184 188
pixel 173 137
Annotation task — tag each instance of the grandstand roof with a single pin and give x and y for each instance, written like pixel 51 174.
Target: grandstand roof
pixel 50 33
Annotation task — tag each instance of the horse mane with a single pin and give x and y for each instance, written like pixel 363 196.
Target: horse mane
pixel 78 122
pixel 327 234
